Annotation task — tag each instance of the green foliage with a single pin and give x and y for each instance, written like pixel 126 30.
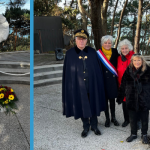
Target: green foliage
pixel 19 24
pixel 129 21
pixel 43 7
pixel 21 44
pixel 71 19
pixel 17 17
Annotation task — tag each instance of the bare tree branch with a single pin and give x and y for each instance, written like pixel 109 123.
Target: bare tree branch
pixel 133 6
pixel 71 3
pixel 119 28
pixel 82 10
pixel 146 7
pixel 112 23
pixel 137 36
pixel 104 7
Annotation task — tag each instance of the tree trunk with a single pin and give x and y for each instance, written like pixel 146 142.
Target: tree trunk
pixel 112 23
pixel 119 28
pixel 144 39
pixel 96 22
pixel 83 15
pixel 134 22
pixel 147 52
pixel 137 36
pixel 104 7
pixel 16 30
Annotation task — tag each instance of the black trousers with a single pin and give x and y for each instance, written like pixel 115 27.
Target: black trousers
pixel 125 111
pixel 126 114
pixel 87 122
pixel 112 108
pixel 133 118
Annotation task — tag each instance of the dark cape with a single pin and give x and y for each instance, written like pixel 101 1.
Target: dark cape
pixel 74 94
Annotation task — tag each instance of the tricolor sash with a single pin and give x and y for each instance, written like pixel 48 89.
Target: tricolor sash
pixel 106 62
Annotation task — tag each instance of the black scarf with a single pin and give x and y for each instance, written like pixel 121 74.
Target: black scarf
pixel 136 75
pixel 123 58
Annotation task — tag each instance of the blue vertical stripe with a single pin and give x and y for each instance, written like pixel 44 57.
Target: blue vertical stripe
pixel 31 77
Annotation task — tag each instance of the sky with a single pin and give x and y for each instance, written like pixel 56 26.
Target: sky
pixel 3 7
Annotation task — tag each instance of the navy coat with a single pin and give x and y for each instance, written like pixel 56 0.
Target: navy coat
pixel 110 80
pixel 74 95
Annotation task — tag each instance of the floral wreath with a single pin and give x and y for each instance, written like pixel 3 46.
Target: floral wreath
pixel 8 99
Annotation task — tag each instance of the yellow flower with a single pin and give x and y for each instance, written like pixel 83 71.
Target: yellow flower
pixel 12 90
pixel 1 95
pixel 6 102
pixel 2 89
pixel 11 97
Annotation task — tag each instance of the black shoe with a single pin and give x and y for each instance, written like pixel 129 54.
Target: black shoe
pixel 131 138
pixel 139 126
pixel 115 122
pixel 96 131
pixel 84 133
pixel 107 123
pixel 125 123
pixel 144 139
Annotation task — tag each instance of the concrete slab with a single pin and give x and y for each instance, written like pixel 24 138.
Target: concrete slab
pixel 45 82
pixel 11 64
pixel 45 59
pixel 15 71
pixel 15 129
pixel 54 131
pixel 45 68
pixel 11 134
pixel 48 75
pixel 14 80
pixel 23 56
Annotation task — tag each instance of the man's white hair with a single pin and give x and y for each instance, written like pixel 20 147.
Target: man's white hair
pixel 106 38
pixel 125 42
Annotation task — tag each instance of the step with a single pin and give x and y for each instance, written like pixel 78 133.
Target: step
pixel 14 71
pixel 21 65
pixel 45 82
pixel 47 75
pixel 14 80
pixel 47 68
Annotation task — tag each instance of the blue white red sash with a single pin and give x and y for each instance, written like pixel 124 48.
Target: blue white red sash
pixel 106 62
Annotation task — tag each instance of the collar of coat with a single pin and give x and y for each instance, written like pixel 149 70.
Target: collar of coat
pixel 128 56
pixel 78 50
pixel 129 71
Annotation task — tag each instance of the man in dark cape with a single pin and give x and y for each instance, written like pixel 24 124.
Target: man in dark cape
pixel 83 94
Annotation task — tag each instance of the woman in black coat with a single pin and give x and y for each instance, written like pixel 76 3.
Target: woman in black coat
pixel 110 78
pixel 135 85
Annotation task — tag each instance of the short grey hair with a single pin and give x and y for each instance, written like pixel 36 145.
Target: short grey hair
pixel 106 38
pixel 125 42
